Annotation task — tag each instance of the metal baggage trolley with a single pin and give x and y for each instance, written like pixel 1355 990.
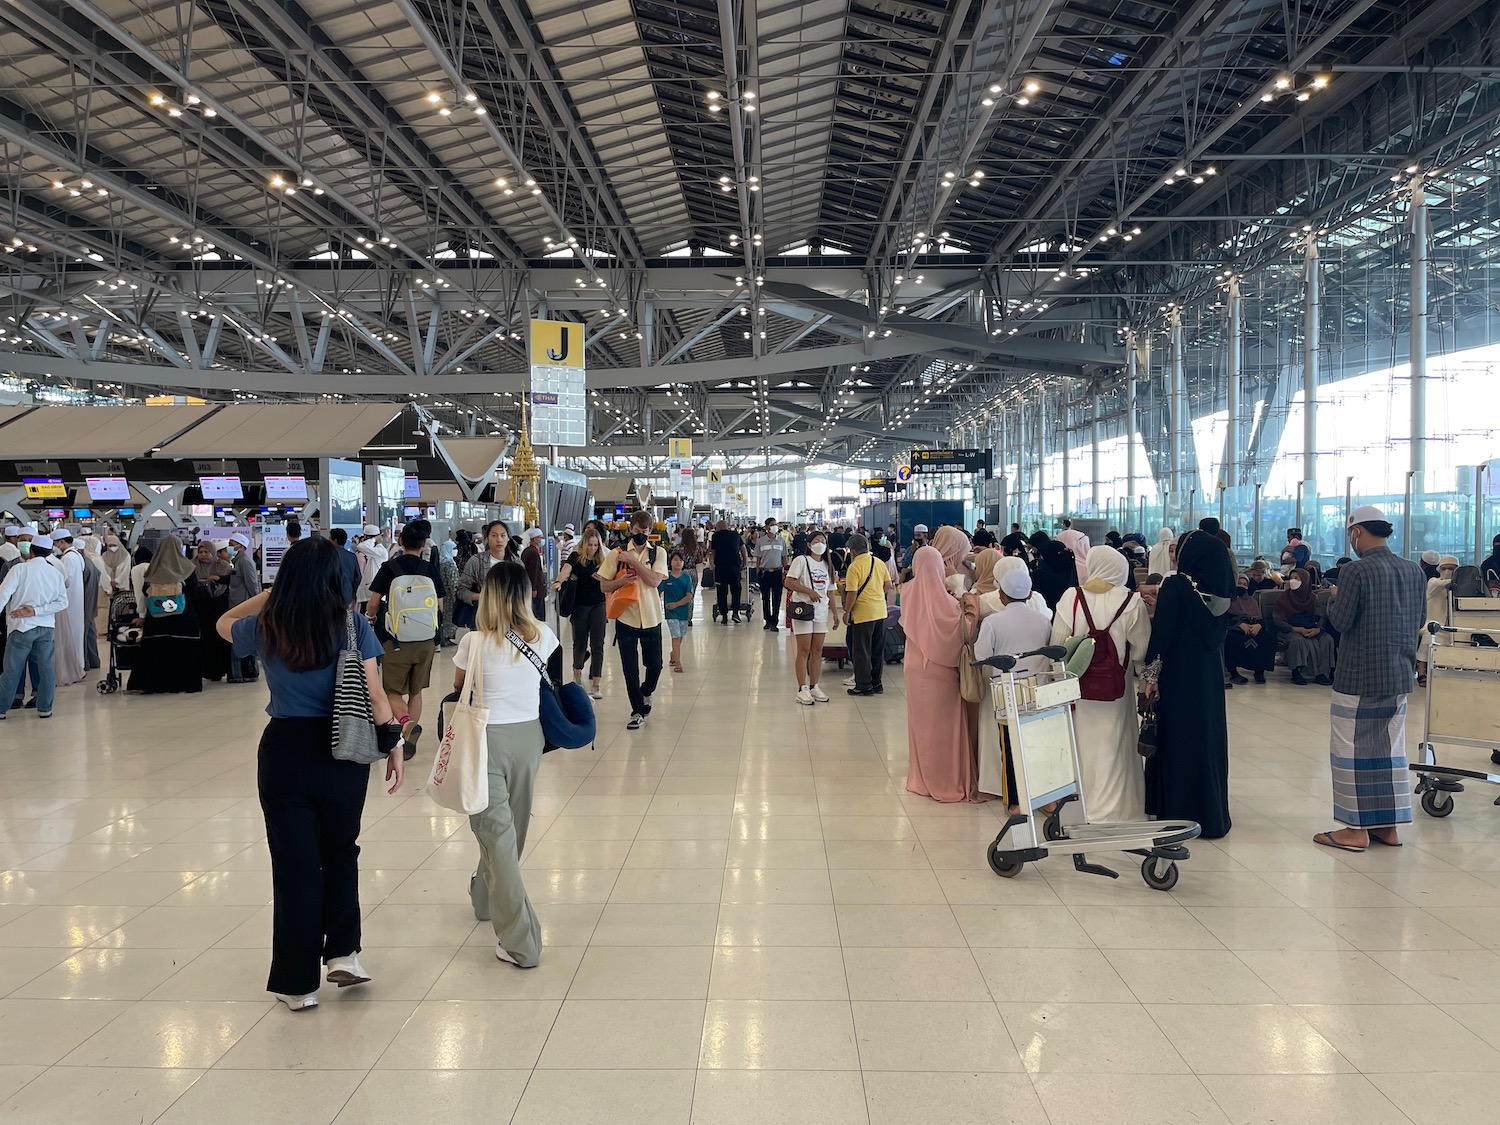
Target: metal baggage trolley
pixel 1036 715
pixel 1463 704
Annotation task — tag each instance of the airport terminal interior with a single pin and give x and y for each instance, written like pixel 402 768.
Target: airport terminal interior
pixel 923 333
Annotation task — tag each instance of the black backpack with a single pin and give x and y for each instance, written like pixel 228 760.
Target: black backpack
pixel 1468 582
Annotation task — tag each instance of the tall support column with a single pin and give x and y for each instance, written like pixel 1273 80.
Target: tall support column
pixel 1020 491
pixel 1132 373
pixel 1178 408
pixel 1042 426
pixel 1312 300
pixel 1067 450
pixel 1094 438
pixel 1232 374
pixel 1418 338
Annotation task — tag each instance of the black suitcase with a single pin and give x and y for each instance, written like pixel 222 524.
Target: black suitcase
pixel 708 578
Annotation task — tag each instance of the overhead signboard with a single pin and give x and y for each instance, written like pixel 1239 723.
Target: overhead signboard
pixel 680 447
pixel 886 486
pixel 776 501
pixel 558 403
pixel 903 473
pixel 44 488
pixel 940 461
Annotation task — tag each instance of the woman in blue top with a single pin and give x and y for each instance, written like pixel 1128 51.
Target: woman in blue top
pixel 312 802
pixel 677 601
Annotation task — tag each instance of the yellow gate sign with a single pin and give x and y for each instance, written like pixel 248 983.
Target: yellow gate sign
pixel 556 343
pixel 680 447
pixel 715 476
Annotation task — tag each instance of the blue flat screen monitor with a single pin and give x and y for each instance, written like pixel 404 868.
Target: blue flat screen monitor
pixel 286 488
pixel 83 513
pixel 221 488
pixel 413 487
pixel 125 511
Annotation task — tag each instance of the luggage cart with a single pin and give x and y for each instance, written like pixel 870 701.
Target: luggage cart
pixel 1036 714
pixel 1463 708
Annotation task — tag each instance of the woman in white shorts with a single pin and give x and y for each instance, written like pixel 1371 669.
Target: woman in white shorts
pixel 809 581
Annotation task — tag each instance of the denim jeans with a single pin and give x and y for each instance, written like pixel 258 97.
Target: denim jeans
pixel 32 648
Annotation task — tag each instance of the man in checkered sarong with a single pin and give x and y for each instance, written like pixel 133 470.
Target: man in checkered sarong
pixel 1379 607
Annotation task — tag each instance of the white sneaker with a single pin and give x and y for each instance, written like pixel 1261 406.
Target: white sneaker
pixel 501 955
pixel 596 692
pixel 819 695
pixel 805 697
pixel 298 1003
pixel 344 971
pixel 851 682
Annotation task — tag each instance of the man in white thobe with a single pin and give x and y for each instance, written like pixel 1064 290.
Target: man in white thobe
pixel 68 654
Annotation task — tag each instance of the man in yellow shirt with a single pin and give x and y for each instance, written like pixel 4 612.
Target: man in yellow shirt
pixel 867 584
pixel 638 628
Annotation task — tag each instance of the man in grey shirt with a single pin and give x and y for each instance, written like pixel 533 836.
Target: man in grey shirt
pixel 1378 607
pixel 770 554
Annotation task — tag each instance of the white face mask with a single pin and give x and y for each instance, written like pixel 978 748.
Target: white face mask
pixel 1294 584
pixel 818 548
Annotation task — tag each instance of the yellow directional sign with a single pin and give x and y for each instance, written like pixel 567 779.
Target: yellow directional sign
pixel 556 343
pixel 715 476
pixel 680 447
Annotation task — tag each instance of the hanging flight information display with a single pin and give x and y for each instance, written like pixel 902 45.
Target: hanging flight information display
pixel 929 461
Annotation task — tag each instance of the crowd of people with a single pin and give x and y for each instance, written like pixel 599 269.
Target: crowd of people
pixel 1175 624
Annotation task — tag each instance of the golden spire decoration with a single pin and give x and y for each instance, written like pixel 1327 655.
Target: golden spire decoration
pixel 524 477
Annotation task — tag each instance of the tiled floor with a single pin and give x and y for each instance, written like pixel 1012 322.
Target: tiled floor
pixel 747 919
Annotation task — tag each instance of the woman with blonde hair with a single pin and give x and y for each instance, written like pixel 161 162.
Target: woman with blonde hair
pixel 505 637
pixel 588 618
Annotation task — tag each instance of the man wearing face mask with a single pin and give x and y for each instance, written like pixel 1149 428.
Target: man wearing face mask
pixel 1378 608
pixel 770 554
pixel 244 584
pixel 638 627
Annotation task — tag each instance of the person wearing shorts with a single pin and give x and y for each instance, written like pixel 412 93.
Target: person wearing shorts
pixel 406 667
pixel 677 602
pixel 810 582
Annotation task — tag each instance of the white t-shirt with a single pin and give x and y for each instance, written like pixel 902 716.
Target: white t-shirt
pixel 510 679
pixel 814 575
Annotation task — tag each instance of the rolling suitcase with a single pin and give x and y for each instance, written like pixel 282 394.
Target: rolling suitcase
pixel 895 636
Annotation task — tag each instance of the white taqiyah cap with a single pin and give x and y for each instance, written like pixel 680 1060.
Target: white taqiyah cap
pixel 44 541
pixel 1430 558
pixel 1366 514
pixel 920 529
pixel 62 533
pixel 12 530
pixel 534 533
pixel 241 538
pixel 1016 584
pixel 371 529
pixel 31 529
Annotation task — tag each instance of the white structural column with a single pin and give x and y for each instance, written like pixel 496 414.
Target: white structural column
pixel 1041 453
pixel 1311 301
pixel 1021 478
pixel 1178 403
pixel 1067 449
pixel 1132 373
pixel 1094 437
pixel 1234 331
pixel 1418 337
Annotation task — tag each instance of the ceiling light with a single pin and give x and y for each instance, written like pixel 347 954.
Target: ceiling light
pixel 1032 87
pixel 471 98
pixel 1320 82
pixel 434 97
pixel 1283 83
pixel 1023 101
pixel 210 111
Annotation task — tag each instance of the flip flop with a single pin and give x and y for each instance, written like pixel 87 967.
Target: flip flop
pixel 1374 839
pixel 1329 842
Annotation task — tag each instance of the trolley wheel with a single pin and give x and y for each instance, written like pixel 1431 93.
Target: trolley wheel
pixel 1436 802
pixel 1001 864
pixel 1052 828
pixel 107 686
pixel 1159 878
pixel 1495 757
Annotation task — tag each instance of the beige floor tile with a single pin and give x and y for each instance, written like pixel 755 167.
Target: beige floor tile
pixel 1190 976
pixel 177 927
pixel 1090 1039
pixel 400 1097
pixel 710 854
pixel 65 926
pixel 770 1097
pixel 625 1035
pixel 1329 1099
pixel 1060 975
pixel 471 1035
pixel 778 924
pixel 169 1034
pixel 1328 977
pixel 966 1037
pixel 921 1098
pixel 1482 1019
pixel 778 1035
pixel 796 886
pixel 254 1097
pixel 1255 927
pixel 22 964
pixel 1247 1039
pixel 1372 929
pixel 1459 1099
pixel 778 973
pixel 1401 1038
pixel 341 1037
pixel 107 974
pixel 643 973
pixel 475 973
pixel 621 1097
pixel 639 924
pixel 39 1032
pixel 13 1078
pixel 912 887
pixel 1041 927
pixel 914 975
pixel 1460 976
pixel 904 926
pixel 1133 1099
pixel 1166 926
pixel 67 1095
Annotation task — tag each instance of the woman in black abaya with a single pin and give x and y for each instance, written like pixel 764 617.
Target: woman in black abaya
pixel 1188 776
pixel 1056 570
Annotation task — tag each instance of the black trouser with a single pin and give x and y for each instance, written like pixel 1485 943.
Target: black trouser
pixel 867 648
pixel 729 591
pixel 312 804
pixel 649 641
pixel 770 596
pixel 588 638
